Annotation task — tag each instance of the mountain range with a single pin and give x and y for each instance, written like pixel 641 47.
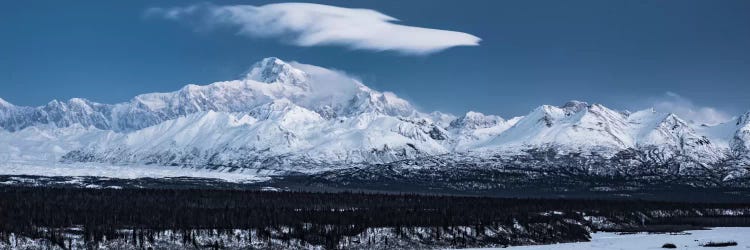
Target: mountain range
pixel 296 118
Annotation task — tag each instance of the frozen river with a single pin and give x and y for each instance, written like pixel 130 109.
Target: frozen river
pixel 641 241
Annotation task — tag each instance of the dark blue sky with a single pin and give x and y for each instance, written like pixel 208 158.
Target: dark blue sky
pixel 625 54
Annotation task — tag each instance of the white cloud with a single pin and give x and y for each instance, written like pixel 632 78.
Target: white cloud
pixel 307 24
pixel 686 109
pixel 329 84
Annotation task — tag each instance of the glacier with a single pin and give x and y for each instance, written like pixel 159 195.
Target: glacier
pixel 299 118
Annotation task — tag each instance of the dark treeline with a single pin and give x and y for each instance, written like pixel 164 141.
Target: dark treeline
pixel 103 211
pixel 229 209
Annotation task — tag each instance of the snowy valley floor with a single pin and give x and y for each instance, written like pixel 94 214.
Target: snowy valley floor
pixel 128 171
pixel 692 239
pixel 376 179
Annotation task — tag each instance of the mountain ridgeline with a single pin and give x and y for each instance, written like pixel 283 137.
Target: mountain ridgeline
pixel 298 118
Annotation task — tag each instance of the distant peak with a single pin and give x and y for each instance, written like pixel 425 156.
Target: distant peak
pixel 272 60
pixel 473 114
pixel 474 120
pixel 54 103
pixel 274 70
pixel 743 119
pixel 4 103
pixel 575 106
pixel 78 101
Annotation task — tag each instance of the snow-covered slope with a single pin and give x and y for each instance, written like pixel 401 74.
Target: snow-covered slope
pixel 277 134
pixel 742 136
pixel 575 126
pixel 61 114
pixel 475 128
pixel 324 91
pixel 293 116
pixel 740 142
pixel 279 114
pixel 580 127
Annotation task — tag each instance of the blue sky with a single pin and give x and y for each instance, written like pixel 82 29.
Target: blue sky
pixel 626 54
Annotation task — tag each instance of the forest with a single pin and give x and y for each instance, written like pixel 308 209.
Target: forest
pixel 72 218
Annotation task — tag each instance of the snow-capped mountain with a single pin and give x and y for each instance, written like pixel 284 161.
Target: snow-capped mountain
pixel 298 117
pixel 321 90
pixel 740 142
pixel 475 128
pixel 575 125
pixel 278 111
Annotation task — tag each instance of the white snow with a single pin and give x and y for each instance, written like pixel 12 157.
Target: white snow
pixel 641 241
pixel 576 126
pixel 721 134
pixel 298 112
pixel 132 171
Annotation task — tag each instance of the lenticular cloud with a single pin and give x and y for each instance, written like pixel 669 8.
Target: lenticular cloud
pixel 306 24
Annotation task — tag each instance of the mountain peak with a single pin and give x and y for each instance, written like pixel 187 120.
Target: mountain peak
pixel 78 101
pixel 473 114
pixel 274 70
pixel 473 120
pixel 54 103
pixel 673 122
pixel 5 104
pixel 744 119
pixel 574 106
